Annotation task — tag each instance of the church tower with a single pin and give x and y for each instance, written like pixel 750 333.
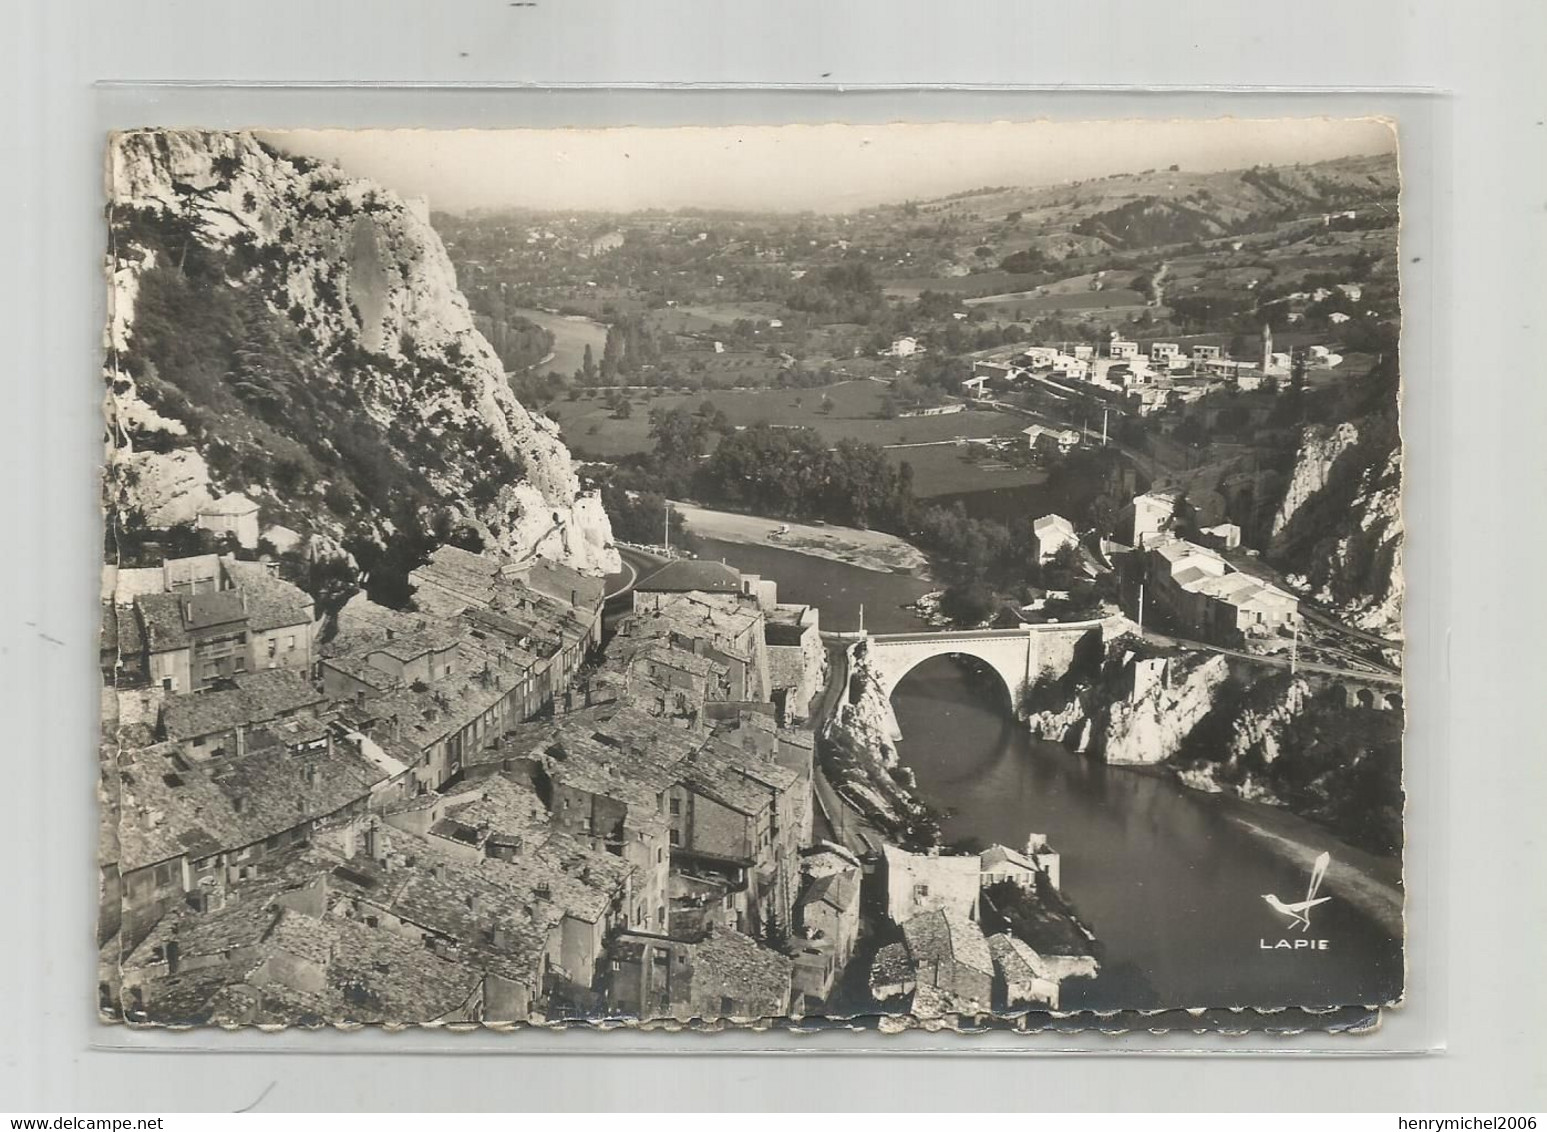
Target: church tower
pixel 1267 347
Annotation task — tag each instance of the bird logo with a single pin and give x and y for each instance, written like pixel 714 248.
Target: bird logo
pixel 1300 913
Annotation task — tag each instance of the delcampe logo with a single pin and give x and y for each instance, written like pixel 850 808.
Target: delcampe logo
pixel 1299 912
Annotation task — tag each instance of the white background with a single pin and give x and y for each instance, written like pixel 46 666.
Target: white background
pixel 1465 76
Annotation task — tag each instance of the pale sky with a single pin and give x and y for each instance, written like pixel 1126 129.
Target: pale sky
pixel 826 168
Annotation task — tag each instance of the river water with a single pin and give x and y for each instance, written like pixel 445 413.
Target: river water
pixel 836 588
pixel 1171 887
pixel 571 335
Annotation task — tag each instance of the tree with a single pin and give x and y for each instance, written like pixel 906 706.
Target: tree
pixel 1063 568
pixel 678 434
pixel 968 603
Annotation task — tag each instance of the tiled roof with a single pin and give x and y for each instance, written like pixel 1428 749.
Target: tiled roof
pixel 256 697
pixel 756 977
pixel 162 617
pixel 940 936
pixel 1189 576
pixel 378 976
pixel 839 890
pixel 171 808
pixel 272 602
pixel 997 855
pixel 719 619
pixel 219 607
pixel 1017 961
pixel 479 680
pixel 891 966
pixel 562 582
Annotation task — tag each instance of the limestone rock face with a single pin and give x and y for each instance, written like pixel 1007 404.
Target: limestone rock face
pixel 1149 728
pixel 366 284
pixel 1338 530
pixel 1112 724
pixel 1319 452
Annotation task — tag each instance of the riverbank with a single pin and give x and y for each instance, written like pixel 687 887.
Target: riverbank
pixel 1370 883
pixel 868 550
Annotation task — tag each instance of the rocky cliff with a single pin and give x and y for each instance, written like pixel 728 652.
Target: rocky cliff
pixel 280 330
pixel 1277 739
pixel 1338 529
pixel 1262 735
pixel 1134 714
pixel 858 750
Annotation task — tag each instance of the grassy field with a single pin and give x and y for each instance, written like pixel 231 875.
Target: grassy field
pixel 944 469
pixel 1033 304
pixel 982 283
pixel 717 314
pixel 590 427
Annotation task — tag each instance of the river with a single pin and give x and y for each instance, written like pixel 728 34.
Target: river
pixel 1172 888
pixel 571 335
pixel 836 588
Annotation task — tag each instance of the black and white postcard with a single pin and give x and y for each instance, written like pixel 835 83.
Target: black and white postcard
pixel 930 575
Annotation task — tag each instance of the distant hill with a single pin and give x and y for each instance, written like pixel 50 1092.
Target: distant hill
pixel 1129 211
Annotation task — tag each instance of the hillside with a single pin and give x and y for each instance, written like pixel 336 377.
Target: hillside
pixel 279 330
pixel 1155 207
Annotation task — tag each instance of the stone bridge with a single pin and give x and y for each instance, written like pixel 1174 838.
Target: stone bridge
pixel 1360 689
pixel 1018 655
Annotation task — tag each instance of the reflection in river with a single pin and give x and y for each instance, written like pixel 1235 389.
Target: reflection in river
pixel 1172 889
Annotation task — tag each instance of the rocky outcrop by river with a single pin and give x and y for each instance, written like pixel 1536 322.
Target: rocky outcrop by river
pixel 858 749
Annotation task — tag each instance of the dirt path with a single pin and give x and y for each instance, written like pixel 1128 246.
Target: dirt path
pixel 869 550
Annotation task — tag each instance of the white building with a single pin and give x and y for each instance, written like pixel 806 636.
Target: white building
pixel 1051 440
pixel 1071 366
pixel 1152 515
pixel 232 514
pixel 1050 533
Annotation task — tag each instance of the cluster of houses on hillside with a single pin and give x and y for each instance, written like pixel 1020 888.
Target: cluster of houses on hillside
pixel 468 811
pixel 1142 378
pixel 458 811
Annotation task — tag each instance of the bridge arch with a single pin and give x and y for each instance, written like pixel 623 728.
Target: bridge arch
pixel 1011 677
pixel 1017 656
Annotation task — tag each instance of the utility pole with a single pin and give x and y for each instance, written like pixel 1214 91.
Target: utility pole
pixel 1141 608
pixel 862 619
pixel 1294 650
pixel 1104 411
pixel 667 542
